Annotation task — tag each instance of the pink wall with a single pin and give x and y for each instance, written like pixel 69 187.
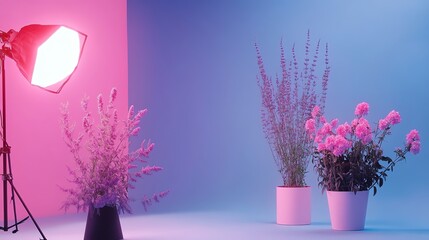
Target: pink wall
pixel 39 155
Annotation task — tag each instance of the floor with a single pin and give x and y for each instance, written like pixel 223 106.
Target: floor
pixel 208 225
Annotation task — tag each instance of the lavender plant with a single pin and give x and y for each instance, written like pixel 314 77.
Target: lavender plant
pixel 107 170
pixel 286 106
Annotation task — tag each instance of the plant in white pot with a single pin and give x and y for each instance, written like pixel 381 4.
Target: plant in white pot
pixel 350 161
pixel 286 106
pixel 105 169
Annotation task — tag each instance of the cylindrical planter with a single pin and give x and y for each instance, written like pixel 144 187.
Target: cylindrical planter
pixel 103 224
pixel 293 205
pixel 347 210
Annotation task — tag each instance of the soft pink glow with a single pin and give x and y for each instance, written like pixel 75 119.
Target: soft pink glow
pixel 39 155
pixel 57 57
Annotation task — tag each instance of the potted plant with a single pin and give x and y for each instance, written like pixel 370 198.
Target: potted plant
pixel 105 170
pixel 350 161
pixel 286 106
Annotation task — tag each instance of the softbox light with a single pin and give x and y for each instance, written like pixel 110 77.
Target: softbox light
pixel 47 55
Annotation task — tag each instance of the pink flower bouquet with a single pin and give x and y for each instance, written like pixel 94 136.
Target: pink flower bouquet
pixel 349 157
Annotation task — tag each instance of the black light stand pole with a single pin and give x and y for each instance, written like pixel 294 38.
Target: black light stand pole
pixel 7 168
pixel 4 176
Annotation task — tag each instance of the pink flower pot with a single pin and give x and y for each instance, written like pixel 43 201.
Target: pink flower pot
pixel 347 210
pixel 293 205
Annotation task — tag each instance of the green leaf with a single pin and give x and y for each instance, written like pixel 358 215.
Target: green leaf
pixel 380 182
pixel 375 191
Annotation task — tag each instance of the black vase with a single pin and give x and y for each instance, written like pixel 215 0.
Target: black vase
pixel 103 224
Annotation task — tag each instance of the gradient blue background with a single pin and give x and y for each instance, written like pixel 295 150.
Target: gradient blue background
pixel 192 63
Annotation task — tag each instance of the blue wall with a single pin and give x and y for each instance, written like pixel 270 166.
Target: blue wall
pixel 192 64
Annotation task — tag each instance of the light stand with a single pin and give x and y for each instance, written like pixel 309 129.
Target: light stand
pixel 7 177
pixel 31 47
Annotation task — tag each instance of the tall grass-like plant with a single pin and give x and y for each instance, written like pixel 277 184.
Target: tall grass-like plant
pixel 287 103
pixel 107 170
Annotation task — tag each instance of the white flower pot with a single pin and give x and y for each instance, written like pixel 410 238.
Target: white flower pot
pixel 347 210
pixel 293 205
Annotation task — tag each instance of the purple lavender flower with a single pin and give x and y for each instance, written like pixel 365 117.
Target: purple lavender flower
pixel 287 104
pixel 105 174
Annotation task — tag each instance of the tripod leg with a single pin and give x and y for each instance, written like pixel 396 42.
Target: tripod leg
pixel 12 195
pixel 4 179
pixel 26 209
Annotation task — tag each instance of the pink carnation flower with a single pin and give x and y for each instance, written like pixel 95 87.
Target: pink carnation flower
pixel 310 126
pixel 362 109
pixel 343 129
pixel 318 138
pixel 383 124
pixel 334 122
pixel 315 112
pixel 321 147
pixel 412 136
pixel 326 129
pixel 415 147
pixel 330 143
pixel 413 141
pixel 393 117
pixel 355 122
pixel 363 131
pixel 341 145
